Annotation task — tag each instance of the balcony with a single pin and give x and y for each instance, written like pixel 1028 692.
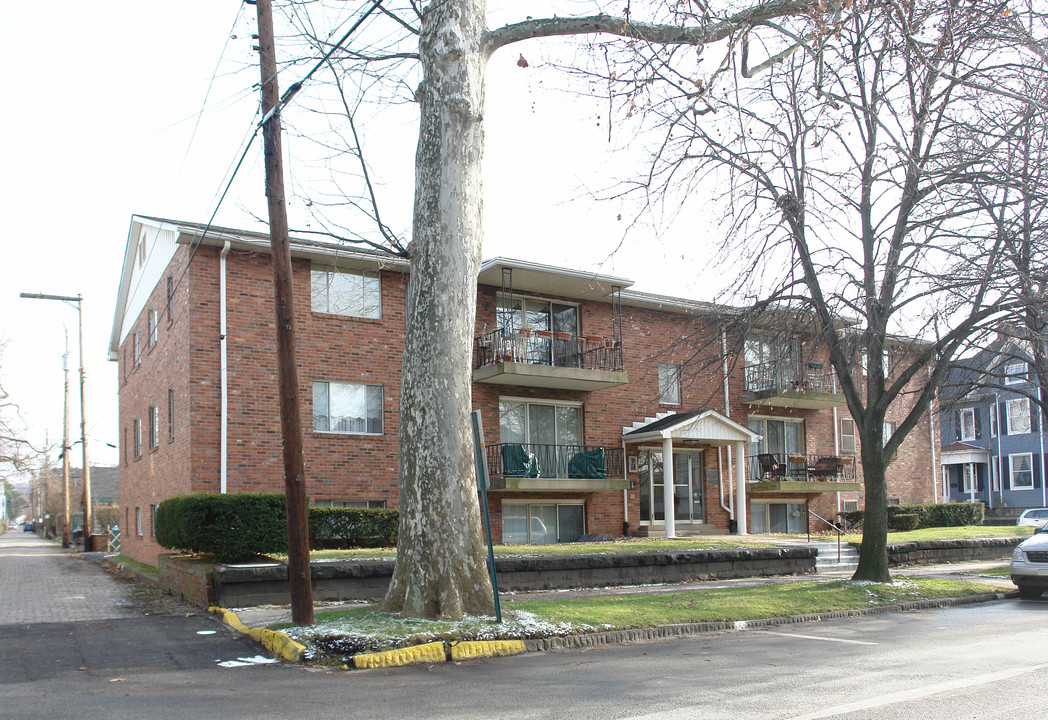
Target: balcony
pixel 797 473
pixel 791 385
pixel 529 467
pixel 537 358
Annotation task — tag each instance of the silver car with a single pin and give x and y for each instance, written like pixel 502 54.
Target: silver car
pixel 1034 517
pixel 1030 565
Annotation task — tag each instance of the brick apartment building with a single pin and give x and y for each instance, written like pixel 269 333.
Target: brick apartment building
pixel 594 398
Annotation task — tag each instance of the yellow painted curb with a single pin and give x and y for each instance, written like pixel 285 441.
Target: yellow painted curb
pixel 276 642
pixel 470 649
pixel 429 653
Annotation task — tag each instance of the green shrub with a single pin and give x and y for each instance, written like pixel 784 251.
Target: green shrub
pixel 227 527
pixel 352 527
pixel 242 525
pixel 928 516
pixel 904 522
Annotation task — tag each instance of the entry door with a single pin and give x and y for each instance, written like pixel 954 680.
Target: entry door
pixel 688 500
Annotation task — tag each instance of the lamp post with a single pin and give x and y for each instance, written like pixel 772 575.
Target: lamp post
pixel 79 300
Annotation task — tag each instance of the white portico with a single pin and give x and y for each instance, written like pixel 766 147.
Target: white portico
pixel 674 466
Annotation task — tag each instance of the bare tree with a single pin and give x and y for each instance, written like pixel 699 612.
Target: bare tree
pixel 440 569
pixel 847 202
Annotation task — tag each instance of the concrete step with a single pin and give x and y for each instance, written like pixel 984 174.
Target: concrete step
pixel 826 562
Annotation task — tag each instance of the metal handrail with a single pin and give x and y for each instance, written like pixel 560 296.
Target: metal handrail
pixel 839 531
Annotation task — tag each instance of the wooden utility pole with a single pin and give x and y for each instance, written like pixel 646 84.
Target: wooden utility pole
pixel 65 449
pixel 83 431
pixel 290 407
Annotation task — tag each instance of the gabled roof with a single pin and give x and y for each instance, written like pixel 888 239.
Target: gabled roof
pixel 708 426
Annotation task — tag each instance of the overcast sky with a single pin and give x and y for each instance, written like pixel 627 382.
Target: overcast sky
pixel 101 103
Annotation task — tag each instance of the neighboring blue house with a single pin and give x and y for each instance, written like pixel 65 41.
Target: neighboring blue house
pixel 993 437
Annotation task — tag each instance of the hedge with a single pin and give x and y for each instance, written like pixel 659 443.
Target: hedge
pixel 243 525
pixel 931 515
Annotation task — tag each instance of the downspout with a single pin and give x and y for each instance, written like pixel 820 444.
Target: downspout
pixel 730 507
pixel 1000 465
pixel 625 493
pixel 223 370
pixel 931 445
pixel 837 451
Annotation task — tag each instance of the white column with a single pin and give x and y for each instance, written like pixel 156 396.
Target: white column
pixel 740 484
pixel 667 486
pixel 975 482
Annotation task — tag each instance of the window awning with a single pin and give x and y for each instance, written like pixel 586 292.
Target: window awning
pixel 960 453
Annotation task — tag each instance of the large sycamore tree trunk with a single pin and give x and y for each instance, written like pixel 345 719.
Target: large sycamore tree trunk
pixel 441 570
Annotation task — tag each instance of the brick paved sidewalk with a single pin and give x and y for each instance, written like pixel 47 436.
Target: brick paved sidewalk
pixel 42 582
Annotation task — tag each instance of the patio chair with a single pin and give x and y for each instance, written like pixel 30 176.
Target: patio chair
pixel 588 464
pixel 770 466
pixel 518 462
pixel 825 467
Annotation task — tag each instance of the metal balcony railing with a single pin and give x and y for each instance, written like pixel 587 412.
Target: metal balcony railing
pixel 810 377
pixel 530 460
pixel 541 347
pixel 791 466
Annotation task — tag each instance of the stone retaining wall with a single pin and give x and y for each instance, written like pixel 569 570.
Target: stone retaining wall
pixel 244 586
pixel 940 551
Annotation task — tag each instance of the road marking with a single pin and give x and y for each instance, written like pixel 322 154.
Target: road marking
pixel 816 637
pixel 918 693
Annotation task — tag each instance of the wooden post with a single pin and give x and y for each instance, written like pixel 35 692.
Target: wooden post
pixel 290 412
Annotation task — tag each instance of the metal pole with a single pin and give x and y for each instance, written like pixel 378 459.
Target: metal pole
pixel 65 447
pixel 83 431
pixel 482 482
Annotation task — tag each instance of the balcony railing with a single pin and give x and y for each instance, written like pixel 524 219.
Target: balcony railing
pixel 810 377
pixel 553 349
pixel 809 468
pixel 529 460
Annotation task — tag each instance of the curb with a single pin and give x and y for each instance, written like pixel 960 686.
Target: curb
pixel 442 651
pixel 276 642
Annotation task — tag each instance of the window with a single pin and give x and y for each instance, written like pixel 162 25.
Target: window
pixel 143 251
pixel 138 521
pixel 170 299
pixel 847 435
pixel 153 322
pixel 347 408
pixel 154 427
pixel 886 359
pixel 1018 416
pixel 152 520
pixel 770 362
pixel 851 505
pixel 778 517
pixel 355 293
pixel 1021 470
pixel 331 503
pixel 552 432
pixel 970 480
pixel 138 437
pixel 993 421
pixel 1014 372
pixel 968 424
pixel 537 524
pixel 669 383
pixel 893 501
pixel 887 430
pixel 995 475
pixel 170 413
pixel 547 332
pixel 137 349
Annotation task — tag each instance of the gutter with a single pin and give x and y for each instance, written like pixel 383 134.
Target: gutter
pixel 730 507
pixel 223 371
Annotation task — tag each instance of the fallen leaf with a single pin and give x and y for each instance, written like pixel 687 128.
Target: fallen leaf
pixel 522 62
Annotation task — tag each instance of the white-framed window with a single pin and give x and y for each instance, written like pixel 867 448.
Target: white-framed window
pixel 1020 469
pixel 333 503
pixel 995 475
pixel 153 326
pixel 154 427
pixel 543 523
pixel 350 292
pixel 550 431
pixel 887 430
pixel 969 482
pixel 1018 416
pixel 143 251
pixel 352 408
pixel 138 521
pixel 137 348
pixel 993 420
pixel 851 505
pixel 847 435
pixel 778 516
pixel 669 383
pixel 1015 372
pixel 152 520
pixel 138 437
pixel 967 423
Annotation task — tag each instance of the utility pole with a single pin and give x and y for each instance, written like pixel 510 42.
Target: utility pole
pixel 290 411
pixel 65 447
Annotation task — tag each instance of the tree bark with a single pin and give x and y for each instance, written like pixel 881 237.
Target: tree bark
pixel 873 552
pixel 440 570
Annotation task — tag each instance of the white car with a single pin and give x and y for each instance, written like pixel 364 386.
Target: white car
pixel 1029 568
pixel 1034 517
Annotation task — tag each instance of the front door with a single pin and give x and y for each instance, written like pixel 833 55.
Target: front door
pixel 688 500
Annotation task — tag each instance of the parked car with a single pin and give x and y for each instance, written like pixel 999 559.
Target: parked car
pixel 1029 567
pixel 28 527
pixel 1034 517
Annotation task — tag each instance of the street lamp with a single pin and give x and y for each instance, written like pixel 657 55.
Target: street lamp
pixel 79 300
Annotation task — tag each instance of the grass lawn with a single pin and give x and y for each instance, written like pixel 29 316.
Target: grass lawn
pixel 706 542
pixel 341 633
